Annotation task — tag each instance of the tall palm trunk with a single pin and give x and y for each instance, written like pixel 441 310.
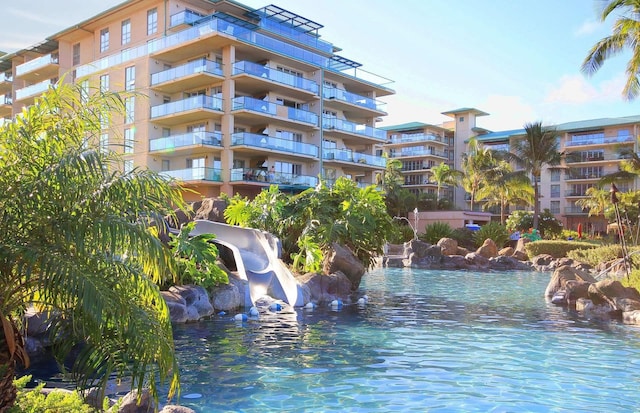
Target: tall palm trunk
pixel 536 204
pixel 9 342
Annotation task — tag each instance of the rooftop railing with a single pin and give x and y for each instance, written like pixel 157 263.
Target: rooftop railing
pixel 350 127
pixel 272 143
pixel 354 99
pixel 186 139
pixel 190 103
pixel 274 75
pixel 37 63
pixel 202 66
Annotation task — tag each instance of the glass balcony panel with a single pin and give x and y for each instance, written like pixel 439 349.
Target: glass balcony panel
pixel 350 127
pixel 190 103
pixel 203 66
pixel 33 90
pixel 598 139
pixel 292 33
pixel 37 63
pixel 6 77
pixel 194 174
pixel 6 100
pixel 254 105
pixel 184 17
pixel 574 209
pixel 278 178
pixel 274 75
pixel 353 157
pixel 264 141
pixel 417 137
pixel 186 139
pixel 416 152
pixel 352 98
pixel 301 115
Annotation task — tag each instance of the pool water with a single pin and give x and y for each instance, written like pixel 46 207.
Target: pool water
pixel 438 341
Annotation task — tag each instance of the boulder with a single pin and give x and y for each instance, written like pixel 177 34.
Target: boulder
pixel 211 209
pixel 609 291
pixel 575 290
pixel 418 249
pixel 448 246
pixel 520 246
pixel 562 275
pixel 462 251
pixel 520 256
pixel 130 403
pixel 454 262
pixel 326 288
pixel 504 263
pixel 170 408
pixel 477 260
pixel 187 303
pixel 230 296
pixel 488 249
pixel 341 259
pixel 506 252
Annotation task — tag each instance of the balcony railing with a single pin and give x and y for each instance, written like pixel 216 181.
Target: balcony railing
pixel 422 137
pixel 202 66
pixel 190 103
pixel 35 64
pixel 186 139
pixel 577 157
pixel 271 143
pixel 6 77
pixel 352 98
pixel 184 17
pixel 260 175
pixel 584 176
pixel 274 75
pixel 571 192
pixel 417 152
pixel 293 33
pixel 353 157
pixel 350 127
pixel 6 100
pixel 195 174
pixel 601 141
pixel 270 108
pixel 576 210
pixel 33 90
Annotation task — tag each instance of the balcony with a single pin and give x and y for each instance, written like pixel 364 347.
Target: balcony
pixel 417 152
pixel 351 104
pixel 605 140
pixel 252 142
pixel 32 91
pixel 586 176
pixel 352 132
pixel 193 75
pixel 6 109
pixel 577 157
pixel 250 76
pixel 422 137
pixel 41 68
pixel 6 82
pixel 257 112
pixel 360 159
pixel 173 144
pixel 262 177
pixel 191 109
pixel 184 19
pixel 195 174
pixel 572 193
pixel 576 210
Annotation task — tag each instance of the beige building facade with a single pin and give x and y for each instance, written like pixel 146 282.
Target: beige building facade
pixel 221 96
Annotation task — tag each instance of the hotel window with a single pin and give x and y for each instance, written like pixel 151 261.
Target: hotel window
pixel 129 140
pixel 555 191
pixel 152 21
pixel 128 166
pixel 166 165
pixel 129 109
pixel 461 119
pixel 130 78
pixel 554 207
pixel 126 31
pixel 104 121
pixel 104 40
pixel 76 54
pixel 104 142
pixel 84 91
pixel 555 175
pixel 104 83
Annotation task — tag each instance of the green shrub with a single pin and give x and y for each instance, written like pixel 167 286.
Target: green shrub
pixel 433 232
pixel 633 280
pixel 464 236
pixel 33 401
pixel 557 249
pixel 548 225
pixel 493 230
pixel 401 233
pixel 605 253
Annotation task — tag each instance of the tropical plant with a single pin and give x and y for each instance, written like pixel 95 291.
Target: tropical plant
pixel 476 162
pixel 537 149
pixel 626 31
pixel 442 175
pixel 505 187
pixel 398 200
pixel 35 400
pixel 494 231
pixel 196 258
pixel 435 231
pixel 78 242
pixel 523 221
pixel 596 201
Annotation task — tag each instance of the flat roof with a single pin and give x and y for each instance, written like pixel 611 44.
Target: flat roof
pixel 410 126
pixel 597 123
pixel 475 111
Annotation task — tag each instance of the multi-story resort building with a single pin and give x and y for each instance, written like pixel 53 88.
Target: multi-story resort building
pixel 226 98
pixel 591 151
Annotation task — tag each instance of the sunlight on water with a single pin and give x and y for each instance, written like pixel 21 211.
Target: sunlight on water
pixel 427 341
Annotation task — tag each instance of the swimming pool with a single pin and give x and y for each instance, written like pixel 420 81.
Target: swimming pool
pixel 436 341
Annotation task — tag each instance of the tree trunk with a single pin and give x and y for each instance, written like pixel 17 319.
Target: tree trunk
pixel 8 391
pixel 536 204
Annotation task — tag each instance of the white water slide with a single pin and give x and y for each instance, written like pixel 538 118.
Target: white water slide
pixel 257 256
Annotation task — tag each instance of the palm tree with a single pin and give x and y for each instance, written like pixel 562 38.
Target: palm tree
pixel 475 163
pixel 626 31
pixel 505 187
pixel 537 149
pixel 77 242
pixel 597 201
pixel 443 174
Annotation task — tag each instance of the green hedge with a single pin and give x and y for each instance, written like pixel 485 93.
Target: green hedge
pixel 605 253
pixel 557 249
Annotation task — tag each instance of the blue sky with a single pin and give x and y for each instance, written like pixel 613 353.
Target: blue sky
pixel 518 60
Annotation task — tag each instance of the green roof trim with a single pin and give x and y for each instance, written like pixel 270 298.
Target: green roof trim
pixel 591 124
pixel 475 111
pixel 410 126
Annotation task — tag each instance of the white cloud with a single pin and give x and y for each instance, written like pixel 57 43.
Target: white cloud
pixel 506 112
pixel 572 89
pixel 587 27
